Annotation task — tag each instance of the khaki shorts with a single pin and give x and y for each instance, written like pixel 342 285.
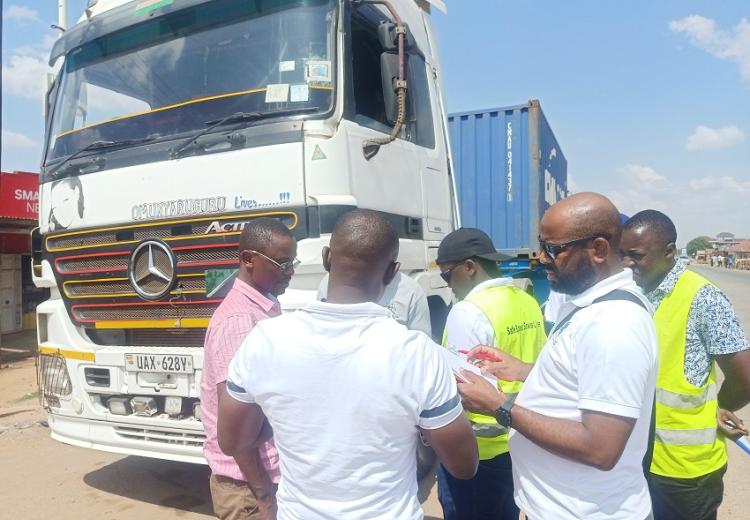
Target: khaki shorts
pixel 233 499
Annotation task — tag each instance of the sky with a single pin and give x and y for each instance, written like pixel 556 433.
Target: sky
pixel 650 101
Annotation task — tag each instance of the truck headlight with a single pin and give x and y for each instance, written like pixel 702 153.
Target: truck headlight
pixel 119 406
pixel 173 405
pixel 144 406
pixel 52 378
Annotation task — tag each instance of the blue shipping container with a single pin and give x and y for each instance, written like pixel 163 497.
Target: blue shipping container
pixel 509 169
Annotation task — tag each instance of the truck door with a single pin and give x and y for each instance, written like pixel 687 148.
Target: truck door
pixel 390 181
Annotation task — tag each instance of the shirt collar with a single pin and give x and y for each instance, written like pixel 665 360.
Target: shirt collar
pixel 493 282
pixel 265 301
pixel 616 281
pixel 667 284
pixel 366 309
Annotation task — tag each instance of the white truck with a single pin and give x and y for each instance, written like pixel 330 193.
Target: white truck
pixel 172 123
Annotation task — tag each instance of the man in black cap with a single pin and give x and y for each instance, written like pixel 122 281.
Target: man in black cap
pixel 493 312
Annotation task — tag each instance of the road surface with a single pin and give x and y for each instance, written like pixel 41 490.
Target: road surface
pixel 43 479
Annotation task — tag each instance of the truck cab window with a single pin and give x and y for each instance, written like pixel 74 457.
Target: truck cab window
pixel 369 106
pixel 368 89
pixel 420 129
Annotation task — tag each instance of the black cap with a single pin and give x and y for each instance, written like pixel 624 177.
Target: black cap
pixel 465 243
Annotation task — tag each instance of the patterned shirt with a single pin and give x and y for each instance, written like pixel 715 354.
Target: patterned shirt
pixel 233 320
pixel 712 328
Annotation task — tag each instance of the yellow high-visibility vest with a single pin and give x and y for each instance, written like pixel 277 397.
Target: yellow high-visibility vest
pixel 518 324
pixel 686 444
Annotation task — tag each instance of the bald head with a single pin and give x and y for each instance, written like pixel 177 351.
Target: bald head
pixel 585 215
pixel 361 258
pixel 580 238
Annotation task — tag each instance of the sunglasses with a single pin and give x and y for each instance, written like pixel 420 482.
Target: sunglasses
pixel 553 250
pixel 446 275
pixel 282 266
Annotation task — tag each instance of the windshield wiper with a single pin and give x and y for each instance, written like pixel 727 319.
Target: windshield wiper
pixel 96 145
pixel 237 117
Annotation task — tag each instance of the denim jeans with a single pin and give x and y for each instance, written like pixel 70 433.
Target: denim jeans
pixel 488 496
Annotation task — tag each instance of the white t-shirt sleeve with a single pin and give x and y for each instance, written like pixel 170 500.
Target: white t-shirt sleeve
pixel 440 403
pixel 615 358
pixel 243 368
pixel 467 326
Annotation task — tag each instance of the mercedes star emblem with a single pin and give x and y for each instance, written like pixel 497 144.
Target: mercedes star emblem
pixel 152 269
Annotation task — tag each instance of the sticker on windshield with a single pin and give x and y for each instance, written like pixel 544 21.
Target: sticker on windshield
pixel 286 66
pixel 299 93
pixel 318 71
pixel 278 93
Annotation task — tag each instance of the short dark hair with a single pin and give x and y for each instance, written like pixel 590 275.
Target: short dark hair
pixel 366 234
pixel 656 221
pixel 258 234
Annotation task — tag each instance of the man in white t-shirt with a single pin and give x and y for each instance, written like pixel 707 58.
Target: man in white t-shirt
pixel 405 300
pixel 581 422
pixel 346 390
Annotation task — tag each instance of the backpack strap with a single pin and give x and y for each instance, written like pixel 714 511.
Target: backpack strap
pixel 617 294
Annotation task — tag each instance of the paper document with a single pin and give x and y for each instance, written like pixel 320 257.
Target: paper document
pixel 457 361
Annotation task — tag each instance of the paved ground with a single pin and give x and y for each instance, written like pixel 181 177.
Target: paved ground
pixel 42 479
pixel 736 285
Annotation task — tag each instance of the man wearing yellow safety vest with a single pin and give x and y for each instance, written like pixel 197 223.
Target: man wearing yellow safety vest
pixel 491 311
pixel 696 326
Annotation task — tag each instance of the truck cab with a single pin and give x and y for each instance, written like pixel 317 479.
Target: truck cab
pixel 172 124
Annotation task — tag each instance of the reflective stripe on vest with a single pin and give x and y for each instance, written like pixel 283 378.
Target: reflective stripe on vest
pixel 675 400
pixel 686 443
pixel 518 325
pixel 687 437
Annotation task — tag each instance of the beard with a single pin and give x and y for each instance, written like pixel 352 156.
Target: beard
pixel 580 278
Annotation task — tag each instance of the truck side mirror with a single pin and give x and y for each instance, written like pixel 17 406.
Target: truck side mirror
pixel 389 75
pixel 389 39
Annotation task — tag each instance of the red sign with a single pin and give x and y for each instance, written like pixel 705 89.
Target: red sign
pixel 19 195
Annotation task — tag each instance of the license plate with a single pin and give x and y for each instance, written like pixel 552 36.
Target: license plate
pixel 165 363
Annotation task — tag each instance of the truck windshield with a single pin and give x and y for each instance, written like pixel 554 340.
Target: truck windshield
pixel 168 76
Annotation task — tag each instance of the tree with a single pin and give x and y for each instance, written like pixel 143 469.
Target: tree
pixel 697 244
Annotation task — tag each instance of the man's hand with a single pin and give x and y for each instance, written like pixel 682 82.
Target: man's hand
pixel 733 432
pixel 478 394
pixel 506 367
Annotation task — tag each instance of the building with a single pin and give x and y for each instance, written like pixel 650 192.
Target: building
pixel 724 241
pixel 19 214
pixel 740 252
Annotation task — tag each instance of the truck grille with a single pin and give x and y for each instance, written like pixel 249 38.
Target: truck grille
pixel 121 287
pixel 164 230
pixel 163 436
pixel 92 313
pixel 91 267
pixel 148 337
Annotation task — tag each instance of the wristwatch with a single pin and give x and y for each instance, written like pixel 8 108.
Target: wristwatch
pixel 502 414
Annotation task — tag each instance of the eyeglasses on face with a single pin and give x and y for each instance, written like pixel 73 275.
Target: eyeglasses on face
pixel 282 266
pixel 446 275
pixel 553 250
